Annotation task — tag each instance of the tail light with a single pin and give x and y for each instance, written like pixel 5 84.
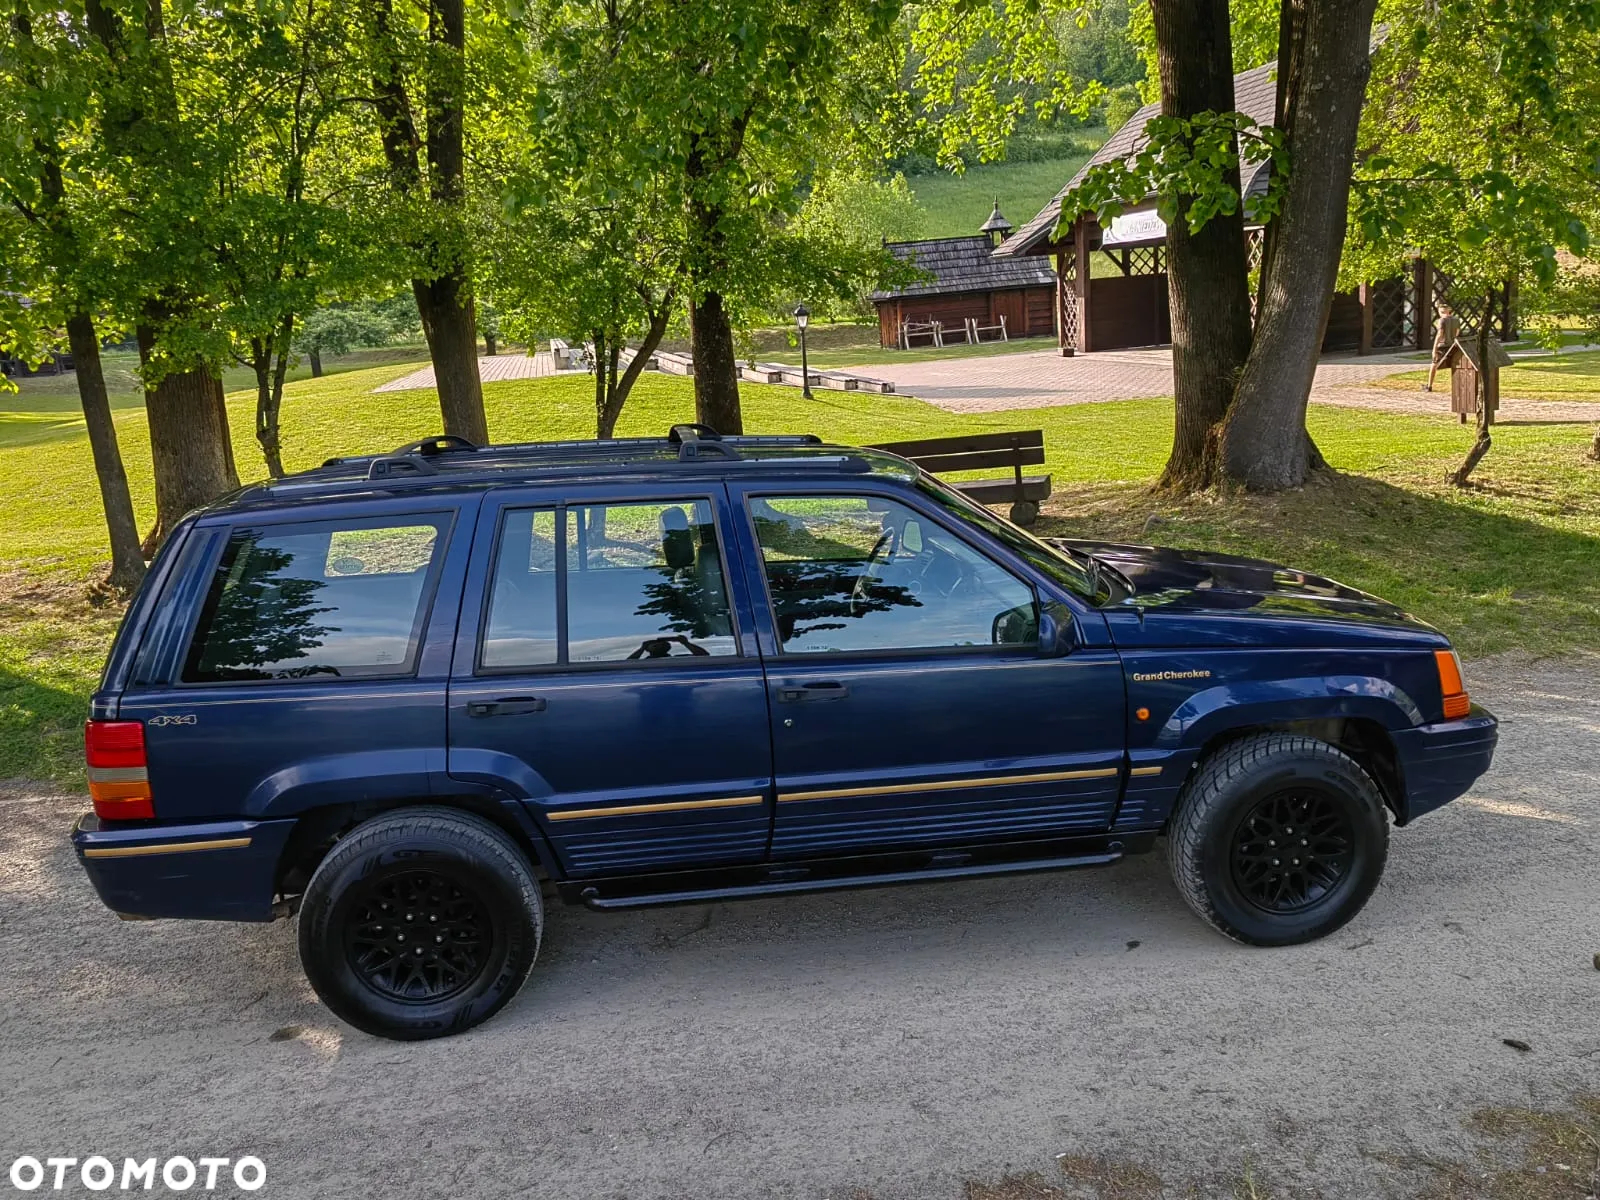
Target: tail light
pixel 1456 701
pixel 119 779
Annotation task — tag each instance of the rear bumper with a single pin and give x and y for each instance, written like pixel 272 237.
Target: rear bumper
pixel 220 871
pixel 1440 762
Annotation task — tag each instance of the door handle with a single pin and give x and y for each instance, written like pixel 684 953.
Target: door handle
pixel 506 706
pixel 812 692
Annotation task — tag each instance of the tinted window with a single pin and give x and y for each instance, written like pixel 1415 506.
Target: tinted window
pixel 866 573
pixel 645 581
pixel 642 581
pixel 521 630
pixel 320 600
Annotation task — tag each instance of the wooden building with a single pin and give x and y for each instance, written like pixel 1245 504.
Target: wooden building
pixel 1111 281
pixel 964 282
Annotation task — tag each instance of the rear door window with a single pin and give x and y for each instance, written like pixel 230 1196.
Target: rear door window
pixel 322 600
pixel 608 583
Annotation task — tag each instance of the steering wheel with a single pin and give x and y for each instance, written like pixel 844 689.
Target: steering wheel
pixel 881 549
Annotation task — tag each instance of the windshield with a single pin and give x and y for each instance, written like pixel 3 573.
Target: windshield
pixel 1051 562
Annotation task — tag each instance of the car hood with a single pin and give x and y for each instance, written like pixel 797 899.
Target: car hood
pixel 1155 577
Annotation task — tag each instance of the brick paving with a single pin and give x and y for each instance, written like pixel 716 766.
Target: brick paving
pixel 1044 380
pixel 491 369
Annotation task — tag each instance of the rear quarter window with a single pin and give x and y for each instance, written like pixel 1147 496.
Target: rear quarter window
pixel 317 601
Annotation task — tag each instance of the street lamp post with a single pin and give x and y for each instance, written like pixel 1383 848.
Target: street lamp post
pixel 802 318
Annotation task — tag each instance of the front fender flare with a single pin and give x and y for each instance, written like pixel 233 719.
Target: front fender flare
pixel 1205 714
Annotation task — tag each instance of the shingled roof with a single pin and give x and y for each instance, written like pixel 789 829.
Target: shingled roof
pixel 965 264
pixel 1255 93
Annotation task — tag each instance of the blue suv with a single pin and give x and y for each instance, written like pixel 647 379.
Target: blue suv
pixel 400 692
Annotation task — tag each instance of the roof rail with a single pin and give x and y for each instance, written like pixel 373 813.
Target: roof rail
pixel 439 443
pixel 691 432
pixel 399 464
pixel 699 441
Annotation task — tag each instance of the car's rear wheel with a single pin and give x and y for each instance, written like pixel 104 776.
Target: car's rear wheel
pixel 420 923
pixel 1278 839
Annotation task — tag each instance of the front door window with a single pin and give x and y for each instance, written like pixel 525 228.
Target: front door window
pixel 861 573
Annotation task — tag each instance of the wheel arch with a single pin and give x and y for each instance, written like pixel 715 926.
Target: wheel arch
pixel 318 829
pixel 1364 739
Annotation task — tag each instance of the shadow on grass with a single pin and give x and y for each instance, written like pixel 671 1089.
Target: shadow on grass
pixel 1490 580
pixel 40 729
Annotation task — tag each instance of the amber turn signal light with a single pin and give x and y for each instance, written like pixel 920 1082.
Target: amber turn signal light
pixel 1457 703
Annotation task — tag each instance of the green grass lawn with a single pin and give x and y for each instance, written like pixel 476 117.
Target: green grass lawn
pixel 1513 563
pixel 1570 376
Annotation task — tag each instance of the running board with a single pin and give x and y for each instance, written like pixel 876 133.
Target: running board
pixel 780 880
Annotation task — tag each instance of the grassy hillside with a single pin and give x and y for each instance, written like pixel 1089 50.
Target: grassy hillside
pixel 959 204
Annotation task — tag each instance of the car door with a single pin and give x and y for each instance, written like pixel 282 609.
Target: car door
pixel 302 659
pixel 606 675
pixel 910 703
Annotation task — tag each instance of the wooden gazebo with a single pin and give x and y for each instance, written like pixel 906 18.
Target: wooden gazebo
pixel 1111 281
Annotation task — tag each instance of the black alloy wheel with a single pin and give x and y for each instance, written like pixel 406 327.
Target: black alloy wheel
pixel 1292 849
pixel 418 937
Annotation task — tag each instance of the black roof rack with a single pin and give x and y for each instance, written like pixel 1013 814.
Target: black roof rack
pixel 449 454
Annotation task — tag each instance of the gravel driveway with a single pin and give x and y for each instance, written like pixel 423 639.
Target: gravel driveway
pixel 900 1042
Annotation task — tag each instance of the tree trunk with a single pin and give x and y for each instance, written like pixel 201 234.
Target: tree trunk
pixel 444 303
pixel 127 560
pixel 1484 442
pixel 190 446
pixel 271 362
pixel 1264 443
pixel 602 427
pixel 1207 275
pixel 448 319
pixel 488 344
pixel 316 363
pixel 716 368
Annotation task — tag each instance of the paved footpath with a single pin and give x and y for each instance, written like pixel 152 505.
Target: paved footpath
pixel 492 368
pixel 1044 379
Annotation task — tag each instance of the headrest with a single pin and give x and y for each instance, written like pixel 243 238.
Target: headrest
pixel 677 545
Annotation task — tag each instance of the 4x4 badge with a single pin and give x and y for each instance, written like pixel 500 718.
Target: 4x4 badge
pixel 174 719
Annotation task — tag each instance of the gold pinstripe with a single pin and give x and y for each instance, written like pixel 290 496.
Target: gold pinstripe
pixel 238 843
pixel 628 810
pixel 941 785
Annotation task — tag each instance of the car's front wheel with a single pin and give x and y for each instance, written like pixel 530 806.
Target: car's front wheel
pixel 420 923
pixel 1278 838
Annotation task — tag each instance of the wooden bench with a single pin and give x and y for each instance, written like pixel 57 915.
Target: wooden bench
pixel 1024 448
pixel 974 330
pixel 913 329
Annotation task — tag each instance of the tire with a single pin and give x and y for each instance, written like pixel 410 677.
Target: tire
pixel 1235 824
pixel 397 882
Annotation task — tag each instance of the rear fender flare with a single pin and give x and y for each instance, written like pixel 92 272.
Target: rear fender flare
pixel 364 777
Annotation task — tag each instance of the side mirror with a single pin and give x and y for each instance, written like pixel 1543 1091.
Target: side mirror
pixel 1057 632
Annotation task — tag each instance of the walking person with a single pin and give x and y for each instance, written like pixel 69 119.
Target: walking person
pixel 1449 330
